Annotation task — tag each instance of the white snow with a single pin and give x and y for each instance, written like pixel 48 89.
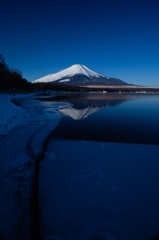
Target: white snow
pixel 69 72
pixel 11 114
pixel 18 150
pixel 65 80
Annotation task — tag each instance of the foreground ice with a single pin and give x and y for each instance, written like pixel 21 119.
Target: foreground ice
pixel 99 189
pixel 11 115
pixel 19 150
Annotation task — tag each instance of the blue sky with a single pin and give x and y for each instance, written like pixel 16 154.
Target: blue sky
pixel 115 38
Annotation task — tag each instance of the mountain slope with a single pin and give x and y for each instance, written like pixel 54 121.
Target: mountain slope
pixel 79 75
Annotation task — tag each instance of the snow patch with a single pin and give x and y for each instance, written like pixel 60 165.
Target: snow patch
pixel 65 80
pixel 11 115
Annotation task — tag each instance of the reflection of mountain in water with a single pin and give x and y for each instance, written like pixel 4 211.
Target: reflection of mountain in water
pixel 77 114
pixel 83 105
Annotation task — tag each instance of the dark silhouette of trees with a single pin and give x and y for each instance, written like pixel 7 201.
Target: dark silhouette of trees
pixel 12 78
pixel 3 65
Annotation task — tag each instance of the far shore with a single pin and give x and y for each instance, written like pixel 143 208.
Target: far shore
pixel 119 86
pixel 127 88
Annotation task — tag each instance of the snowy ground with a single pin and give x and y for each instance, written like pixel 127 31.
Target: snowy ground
pixel 19 149
pixel 86 189
pixel 11 115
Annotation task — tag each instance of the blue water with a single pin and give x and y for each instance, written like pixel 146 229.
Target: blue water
pixel 128 118
pixel 98 188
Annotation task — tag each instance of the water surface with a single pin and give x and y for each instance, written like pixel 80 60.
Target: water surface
pixel 89 188
pixel 128 118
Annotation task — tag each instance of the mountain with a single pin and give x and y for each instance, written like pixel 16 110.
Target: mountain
pixel 79 75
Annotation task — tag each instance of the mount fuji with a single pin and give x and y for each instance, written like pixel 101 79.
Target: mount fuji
pixel 79 75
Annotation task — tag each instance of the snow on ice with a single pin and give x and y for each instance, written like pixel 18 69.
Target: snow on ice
pixel 11 115
pixel 19 149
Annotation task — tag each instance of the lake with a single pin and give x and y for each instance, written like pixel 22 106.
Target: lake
pixel 128 118
pixel 99 175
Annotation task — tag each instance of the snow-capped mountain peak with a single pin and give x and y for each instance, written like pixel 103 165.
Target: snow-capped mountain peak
pixel 81 69
pixel 79 75
pixel 69 72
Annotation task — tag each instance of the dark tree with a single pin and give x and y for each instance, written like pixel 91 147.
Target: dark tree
pixel 3 65
pixel 12 78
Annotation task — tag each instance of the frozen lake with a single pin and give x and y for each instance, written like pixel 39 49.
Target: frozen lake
pixel 94 184
pixel 81 167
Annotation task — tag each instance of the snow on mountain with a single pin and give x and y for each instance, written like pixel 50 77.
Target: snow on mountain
pixel 69 72
pixel 79 75
pixel 65 80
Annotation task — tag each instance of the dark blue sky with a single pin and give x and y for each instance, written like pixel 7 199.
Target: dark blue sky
pixel 115 38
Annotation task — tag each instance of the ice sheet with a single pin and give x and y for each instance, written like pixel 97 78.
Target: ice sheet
pixel 18 152
pixel 88 187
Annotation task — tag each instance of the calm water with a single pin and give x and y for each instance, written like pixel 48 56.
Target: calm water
pixel 128 118
pixel 90 187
